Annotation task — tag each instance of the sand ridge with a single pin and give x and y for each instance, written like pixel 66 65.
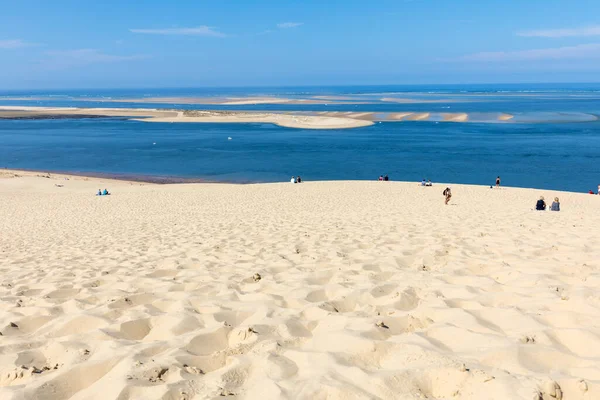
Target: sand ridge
pixel 320 290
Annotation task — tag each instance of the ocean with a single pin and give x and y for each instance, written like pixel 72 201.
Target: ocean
pixel 552 143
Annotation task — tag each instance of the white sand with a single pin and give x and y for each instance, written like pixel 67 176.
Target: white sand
pixel 175 116
pixel 417 117
pixel 455 117
pixel 293 119
pixel 367 290
pixel 285 120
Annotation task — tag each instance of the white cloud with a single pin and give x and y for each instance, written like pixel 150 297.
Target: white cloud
pixel 287 25
pixel 197 31
pixel 14 44
pixel 582 51
pixel 561 33
pixel 79 57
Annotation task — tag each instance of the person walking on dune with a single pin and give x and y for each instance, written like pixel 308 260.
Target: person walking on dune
pixel 448 194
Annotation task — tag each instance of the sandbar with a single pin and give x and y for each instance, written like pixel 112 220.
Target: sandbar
pixel 190 116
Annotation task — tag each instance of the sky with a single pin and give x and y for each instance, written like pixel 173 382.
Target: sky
pixel 197 43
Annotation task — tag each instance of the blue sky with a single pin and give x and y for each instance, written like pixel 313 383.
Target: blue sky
pixel 193 43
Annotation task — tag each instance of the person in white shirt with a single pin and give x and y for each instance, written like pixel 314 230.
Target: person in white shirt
pixel 293 180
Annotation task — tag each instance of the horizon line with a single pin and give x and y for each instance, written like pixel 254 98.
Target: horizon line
pixel 305 86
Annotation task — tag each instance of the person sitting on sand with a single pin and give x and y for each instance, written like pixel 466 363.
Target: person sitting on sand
pixel 99 192
pixel 448 194
pixel 105 193
pixel 293 180
pixel 381 178
pixel 555 205
pixel 423 182
pixel 386 178
pixel 541 204
pixel 299 180
pixel 429 183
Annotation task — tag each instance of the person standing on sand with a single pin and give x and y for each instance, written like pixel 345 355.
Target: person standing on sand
pixel 497 182
pixel 448 194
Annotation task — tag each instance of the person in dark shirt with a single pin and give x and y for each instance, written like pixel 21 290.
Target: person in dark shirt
pixel 386 178
pixel 448 194
pixel 498 182
pixel 541 204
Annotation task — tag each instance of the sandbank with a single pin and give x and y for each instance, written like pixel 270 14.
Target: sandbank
pixel 175 116
pixel 455 117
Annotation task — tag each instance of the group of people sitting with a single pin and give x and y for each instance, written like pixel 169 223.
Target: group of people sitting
pixel 541 204
pixel 384 178
pixel 102 193
pixel 296 180
pixel 426 182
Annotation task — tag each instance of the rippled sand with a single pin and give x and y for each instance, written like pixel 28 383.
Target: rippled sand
pixel 337 290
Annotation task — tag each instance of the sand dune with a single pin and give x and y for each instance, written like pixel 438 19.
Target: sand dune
pixel 333 290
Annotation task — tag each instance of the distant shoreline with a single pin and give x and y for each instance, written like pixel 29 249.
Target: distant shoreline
pixel 291 119
pixel 172 180
pixel 121 177
pixel 317 120
pixel 296 120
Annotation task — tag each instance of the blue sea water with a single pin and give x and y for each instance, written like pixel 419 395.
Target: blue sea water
pixel 550 155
